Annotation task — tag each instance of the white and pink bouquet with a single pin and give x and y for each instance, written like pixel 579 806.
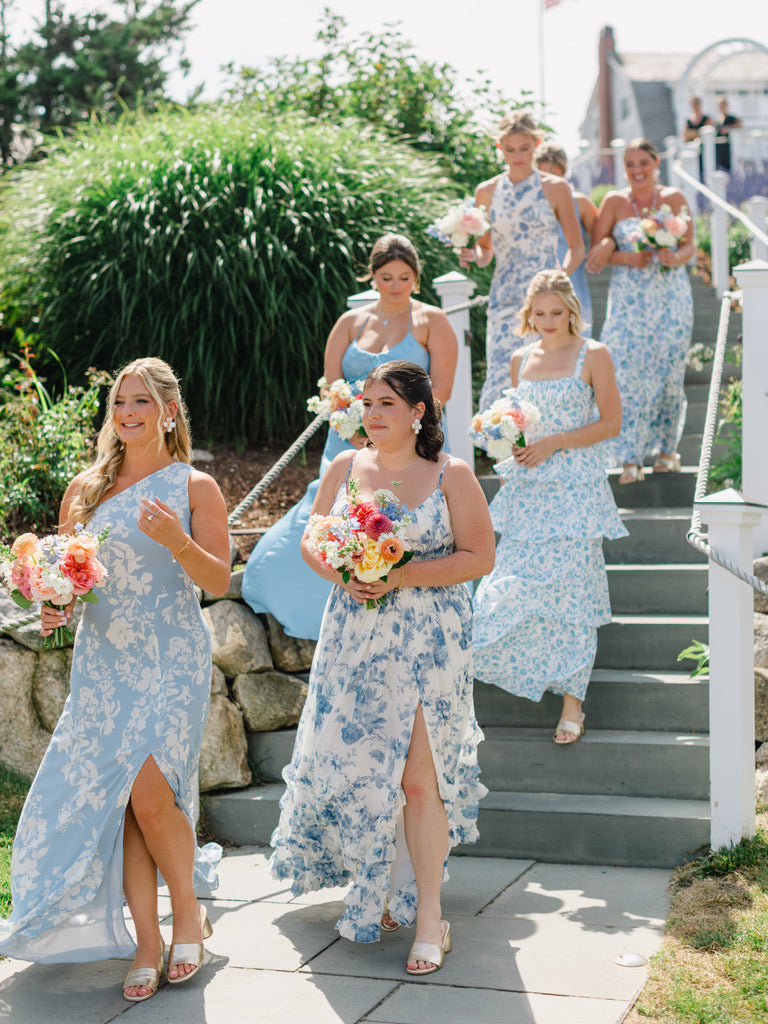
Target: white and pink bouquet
pixel 661 229
pixel 502 427
pixel 365 540
pixel 341 404
pixel 53 570
pixel 461 226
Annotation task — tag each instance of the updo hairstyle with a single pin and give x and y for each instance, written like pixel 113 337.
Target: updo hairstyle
pixel 389 248
pixel 645 144
pixel 413 385
pixel 550 282
pixel 551 153
pixel 517 123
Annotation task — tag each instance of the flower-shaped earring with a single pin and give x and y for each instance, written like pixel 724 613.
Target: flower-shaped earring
pixel 168 425
pixel 416 426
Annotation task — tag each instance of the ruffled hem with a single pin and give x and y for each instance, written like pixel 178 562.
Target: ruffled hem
pixel 533 511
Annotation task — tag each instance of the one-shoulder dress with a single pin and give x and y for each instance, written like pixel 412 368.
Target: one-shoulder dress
pixel 139 688
pixel 277 579
pixel 524 233
pixel 647 329
pixel 341 818
pixel 536 614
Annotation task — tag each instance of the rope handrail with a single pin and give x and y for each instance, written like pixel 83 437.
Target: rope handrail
pixel 695 537
pixel 274 471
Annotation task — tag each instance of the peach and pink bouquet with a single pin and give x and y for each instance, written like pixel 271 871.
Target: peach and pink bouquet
pixel 502 427
pixel 661 229
pixel 461 226
pixel 341 404
pixel 53 570
pixel 364 540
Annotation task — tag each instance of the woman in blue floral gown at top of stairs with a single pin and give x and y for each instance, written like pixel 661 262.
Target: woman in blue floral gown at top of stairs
pixel 115 798
pixel 536 615
pixel 525 209
pixel 384 776
pixel 649 318
pixel 277 579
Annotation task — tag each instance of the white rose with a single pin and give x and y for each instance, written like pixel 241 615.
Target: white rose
pixel 665 238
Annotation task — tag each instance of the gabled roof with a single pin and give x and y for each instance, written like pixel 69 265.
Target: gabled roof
pixel 670 67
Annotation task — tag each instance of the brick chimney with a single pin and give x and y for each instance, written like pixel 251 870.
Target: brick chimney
pixel 604 97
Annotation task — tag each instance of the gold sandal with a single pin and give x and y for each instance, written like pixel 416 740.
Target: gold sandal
pixel 573 731
pixel 632 474
pixel 430 952
pixel 388 926
pixel 143 977
pixel 667 463
pixel 189 953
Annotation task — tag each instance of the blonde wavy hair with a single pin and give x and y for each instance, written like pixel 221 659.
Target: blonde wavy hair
pixel 163 387
pixel 550 282
pixel 518 124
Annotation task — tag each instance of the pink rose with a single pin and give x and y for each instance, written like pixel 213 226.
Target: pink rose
pixel 81 547
pixel 518 418
pixel 473 222
pixel 46 586
pixel 676 226
pixel 20 572
pixel 83 575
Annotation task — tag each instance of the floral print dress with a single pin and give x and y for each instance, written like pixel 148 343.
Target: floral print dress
pixel 524 232
pixel 341 816
pixel 139 688
pixel 647 329
pixel 537 613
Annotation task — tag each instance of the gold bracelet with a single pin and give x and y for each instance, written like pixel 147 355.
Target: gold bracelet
pixel 402 577
pixel 564 446
pixel 186 542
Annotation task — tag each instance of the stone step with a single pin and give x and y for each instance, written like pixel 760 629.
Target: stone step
pixel 657 490
pixel 648 641
pixel 666 589
pixel 616 699
pixel 656 535
pixel 555 827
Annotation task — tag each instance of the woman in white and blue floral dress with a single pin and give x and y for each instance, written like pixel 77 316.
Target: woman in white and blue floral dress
pixel 115 798
pixel 384 775
pixel 525 208
pixel 537 613
pixel 649 319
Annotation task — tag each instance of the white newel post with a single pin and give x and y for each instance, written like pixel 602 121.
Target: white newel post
pixel 689 158
pixel 757 211
pixel 707 140
pixel 752 278
pixel 718 182
pixel 617 148
pixel 731 670
pixel 455 289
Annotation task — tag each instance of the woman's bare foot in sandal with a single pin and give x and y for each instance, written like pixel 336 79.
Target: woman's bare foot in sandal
pixel 429 949
pixel 570 728
pixel 190 927
pixel 147 966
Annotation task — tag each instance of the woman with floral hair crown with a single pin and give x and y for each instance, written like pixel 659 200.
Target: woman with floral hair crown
pixel 114 801
pixel 649 318
pixel 525 208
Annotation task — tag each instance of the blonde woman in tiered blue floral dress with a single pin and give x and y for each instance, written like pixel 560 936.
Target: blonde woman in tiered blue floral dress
pixel 536 615
pixel 525 209
pixel 384 776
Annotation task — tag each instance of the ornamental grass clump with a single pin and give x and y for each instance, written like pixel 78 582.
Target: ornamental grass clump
pixel 220 240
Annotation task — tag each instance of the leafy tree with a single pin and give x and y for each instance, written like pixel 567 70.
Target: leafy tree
pixel 378 78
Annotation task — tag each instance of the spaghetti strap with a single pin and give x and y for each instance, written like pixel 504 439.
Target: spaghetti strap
pixel 351 464
pixel 440 478
pixel 527 351
pixel 580 360
pixel 354 340
pixel 410 315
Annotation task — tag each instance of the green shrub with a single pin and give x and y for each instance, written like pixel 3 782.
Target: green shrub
pixel 738 240
pixel 43 444
pixel 219 240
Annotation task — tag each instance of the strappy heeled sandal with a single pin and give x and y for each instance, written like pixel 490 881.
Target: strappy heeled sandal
pixel 430 953
pixel 667 463
pixel 189 953
pixel 632 474
pixel 143 977
pixel 573 731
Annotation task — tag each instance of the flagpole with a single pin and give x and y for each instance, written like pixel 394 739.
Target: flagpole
pixel 540 4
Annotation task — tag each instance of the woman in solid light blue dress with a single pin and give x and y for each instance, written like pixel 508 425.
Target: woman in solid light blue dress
pixel 114 800
pixel 277 579
pixel 536 614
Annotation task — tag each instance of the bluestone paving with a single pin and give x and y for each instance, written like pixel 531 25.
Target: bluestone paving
pixel 534 943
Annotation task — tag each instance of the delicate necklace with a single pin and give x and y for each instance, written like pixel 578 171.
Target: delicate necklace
pixel 646 208
pixel 390 316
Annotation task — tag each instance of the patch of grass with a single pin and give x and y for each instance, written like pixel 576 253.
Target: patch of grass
pixel 13 790
pixel 712 967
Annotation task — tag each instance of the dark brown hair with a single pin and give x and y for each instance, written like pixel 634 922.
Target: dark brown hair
pixel 389 248
pixel 413 385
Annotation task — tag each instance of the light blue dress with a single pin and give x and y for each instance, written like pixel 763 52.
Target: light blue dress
pixel 648 328
pixel 537 613
pixel 140 686
pixel 524 236
pixel 341 816
pixel 578 277
pixel 277 579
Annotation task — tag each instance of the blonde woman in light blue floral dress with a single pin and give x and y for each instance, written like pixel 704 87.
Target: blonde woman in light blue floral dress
pixel 536 615
pixel 649 319
pixel 115 798
pixel 525 208
pixel 384 776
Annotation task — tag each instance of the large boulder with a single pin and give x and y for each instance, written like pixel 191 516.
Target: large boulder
pixel 269 700
pixel 760 623
pixel 224 753
pixel 218 681
pixel 239 639
pixel 760 569
pixel 289 653
pixel 50 685
pixel 23 740
pixel 234 591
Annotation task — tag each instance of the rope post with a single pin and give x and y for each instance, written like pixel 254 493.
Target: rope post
pixel 707 137
pixel 617 150
pixel 753 281
pixel 718 182
pixel 455 289
pixel 689 161
pixel 757 211
pixel 731 520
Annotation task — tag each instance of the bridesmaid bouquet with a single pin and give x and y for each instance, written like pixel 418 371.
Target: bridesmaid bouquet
pixel 461 226
pixel 341 404
pixel 662 229
pixel 502 427
pixel 364 540
pixel 53 570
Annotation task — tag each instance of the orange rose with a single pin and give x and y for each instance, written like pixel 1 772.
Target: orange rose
pixel 392 549
pixel 26 546
pixel 81 547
